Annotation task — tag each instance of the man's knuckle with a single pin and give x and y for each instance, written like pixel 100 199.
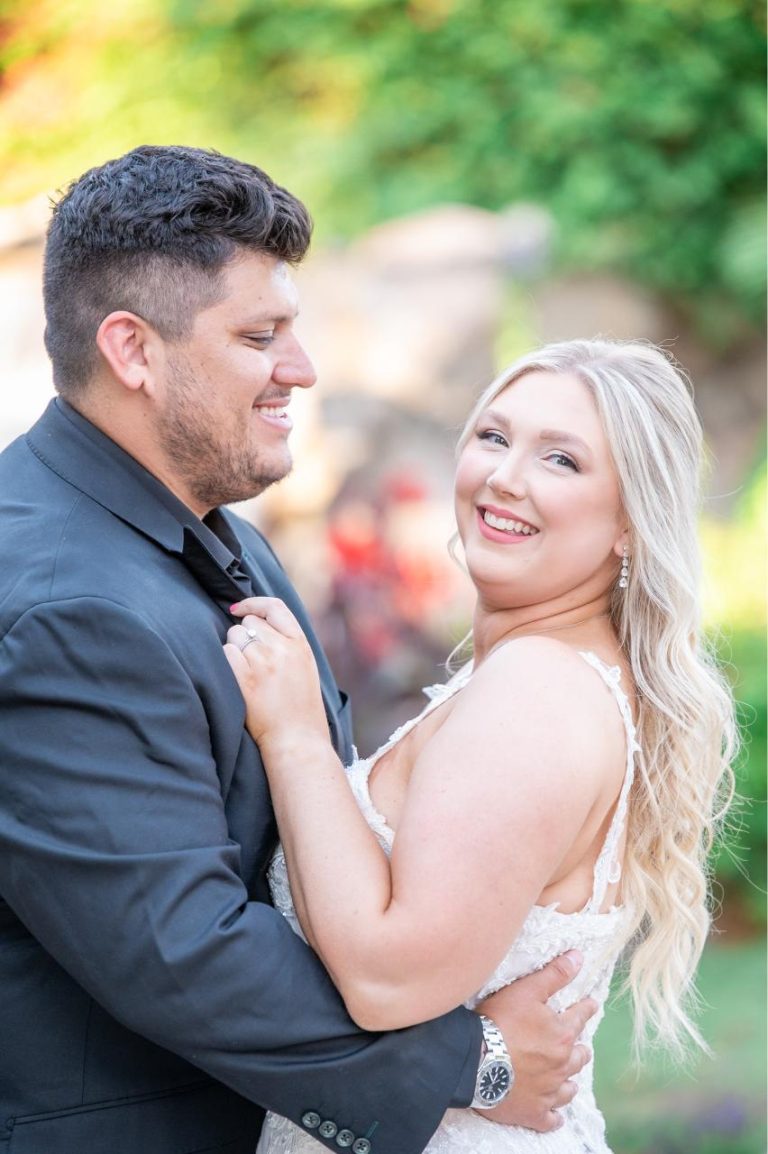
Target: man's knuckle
pixel 568 1036
pixel 567 1093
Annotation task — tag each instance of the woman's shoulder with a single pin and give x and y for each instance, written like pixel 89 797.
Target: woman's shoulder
pixel 533 655
pixel 535 701
pixel 538 674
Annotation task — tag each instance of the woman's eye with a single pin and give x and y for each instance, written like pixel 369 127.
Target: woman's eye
pixel 564 460
pixel 492 436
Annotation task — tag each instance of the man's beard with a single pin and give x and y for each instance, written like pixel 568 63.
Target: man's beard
pixel 214 471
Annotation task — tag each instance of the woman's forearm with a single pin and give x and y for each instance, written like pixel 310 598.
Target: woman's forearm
pixel 339 874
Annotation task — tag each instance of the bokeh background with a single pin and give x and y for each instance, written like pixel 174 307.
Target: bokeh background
pixel 484 175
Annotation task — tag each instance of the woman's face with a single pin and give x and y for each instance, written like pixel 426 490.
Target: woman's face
pixel 537 497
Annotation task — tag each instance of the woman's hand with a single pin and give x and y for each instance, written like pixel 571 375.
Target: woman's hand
pixel 276 671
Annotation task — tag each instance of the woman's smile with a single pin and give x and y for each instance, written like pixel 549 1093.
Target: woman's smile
pixel 499 525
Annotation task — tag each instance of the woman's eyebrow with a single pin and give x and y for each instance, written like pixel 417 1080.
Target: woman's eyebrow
pixel 564 438
pixel 560 435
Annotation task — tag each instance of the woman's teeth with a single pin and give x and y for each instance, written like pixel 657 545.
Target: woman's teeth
pixel 507 525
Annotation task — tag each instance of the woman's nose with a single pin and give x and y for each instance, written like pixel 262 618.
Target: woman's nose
pixel 508 479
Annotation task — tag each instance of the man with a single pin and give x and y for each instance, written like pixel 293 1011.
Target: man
pixel 153 1001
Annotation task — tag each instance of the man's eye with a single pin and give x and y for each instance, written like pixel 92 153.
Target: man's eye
pixel 261 339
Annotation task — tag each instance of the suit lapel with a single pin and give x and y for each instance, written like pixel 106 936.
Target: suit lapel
pixel 90 461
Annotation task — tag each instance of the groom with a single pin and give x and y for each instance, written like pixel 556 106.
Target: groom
pixel 153 1002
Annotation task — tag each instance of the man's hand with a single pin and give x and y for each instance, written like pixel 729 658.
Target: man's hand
pixel 541 1043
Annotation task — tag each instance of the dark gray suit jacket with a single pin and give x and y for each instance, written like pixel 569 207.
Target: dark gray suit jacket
pixel 151 1000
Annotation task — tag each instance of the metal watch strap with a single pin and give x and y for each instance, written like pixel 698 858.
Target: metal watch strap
pixel 495 1051
pixel 494 1041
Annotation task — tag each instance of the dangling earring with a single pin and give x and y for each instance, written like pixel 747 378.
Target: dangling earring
pixel 624 575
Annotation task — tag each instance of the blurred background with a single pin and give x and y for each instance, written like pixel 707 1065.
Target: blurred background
pixel 485 175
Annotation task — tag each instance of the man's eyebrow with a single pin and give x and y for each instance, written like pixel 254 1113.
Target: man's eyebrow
pixel 266 318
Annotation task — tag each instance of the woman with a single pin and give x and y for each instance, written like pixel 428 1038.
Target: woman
pixel 561 790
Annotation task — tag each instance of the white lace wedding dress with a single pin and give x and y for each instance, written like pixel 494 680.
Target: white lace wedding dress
pixel 545 933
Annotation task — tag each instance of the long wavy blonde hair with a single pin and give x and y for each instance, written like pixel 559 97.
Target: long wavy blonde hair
pixel 686 728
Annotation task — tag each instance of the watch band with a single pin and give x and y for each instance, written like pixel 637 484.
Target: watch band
pixel 495 1045
pixel 496 1055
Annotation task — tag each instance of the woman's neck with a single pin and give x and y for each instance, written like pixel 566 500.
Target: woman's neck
pixel 576 623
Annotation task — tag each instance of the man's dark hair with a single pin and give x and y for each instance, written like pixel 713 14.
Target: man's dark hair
pixel 151 232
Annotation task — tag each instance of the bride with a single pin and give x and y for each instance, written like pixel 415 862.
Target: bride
pixel 561 790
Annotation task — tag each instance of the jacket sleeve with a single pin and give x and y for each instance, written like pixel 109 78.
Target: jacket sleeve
pixel 114 851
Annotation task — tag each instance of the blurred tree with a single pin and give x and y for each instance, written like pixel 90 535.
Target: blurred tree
pixel 735 609
pixel 639 123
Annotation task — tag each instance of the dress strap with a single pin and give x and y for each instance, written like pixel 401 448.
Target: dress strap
pixel 608 866
pixel 444 689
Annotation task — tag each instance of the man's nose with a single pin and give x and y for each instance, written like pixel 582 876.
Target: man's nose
pixel 295 369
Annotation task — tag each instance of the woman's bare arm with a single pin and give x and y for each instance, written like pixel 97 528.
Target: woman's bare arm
pixel 497 798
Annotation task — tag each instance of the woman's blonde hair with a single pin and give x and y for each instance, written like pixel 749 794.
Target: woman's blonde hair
pixel 686 729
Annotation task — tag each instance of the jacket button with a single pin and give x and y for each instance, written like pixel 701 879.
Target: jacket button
pixel 327 1129
pixel 311 1120
pixel 361 1146
pixel 345 1138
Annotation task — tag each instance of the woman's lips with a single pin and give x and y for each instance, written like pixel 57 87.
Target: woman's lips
pixel 508 530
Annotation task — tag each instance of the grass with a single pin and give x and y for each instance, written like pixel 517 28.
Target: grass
pixel 715 1105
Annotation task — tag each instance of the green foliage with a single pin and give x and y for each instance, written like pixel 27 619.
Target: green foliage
pixel 639 123
pixel 735 559
pixel 740 862
pixel 734 562
pixel 714 1105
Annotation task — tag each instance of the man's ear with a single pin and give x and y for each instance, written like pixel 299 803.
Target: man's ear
pixel 127 343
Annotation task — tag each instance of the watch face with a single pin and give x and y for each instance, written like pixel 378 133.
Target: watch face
pixel 494 1083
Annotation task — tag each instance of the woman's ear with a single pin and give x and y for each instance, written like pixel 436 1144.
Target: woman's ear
pixel 126 342
pixel 622 543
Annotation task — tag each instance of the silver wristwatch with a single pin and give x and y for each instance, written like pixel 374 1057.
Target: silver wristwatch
pixel 495 1077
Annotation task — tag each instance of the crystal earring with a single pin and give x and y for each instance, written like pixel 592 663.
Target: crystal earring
pixel 624 575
